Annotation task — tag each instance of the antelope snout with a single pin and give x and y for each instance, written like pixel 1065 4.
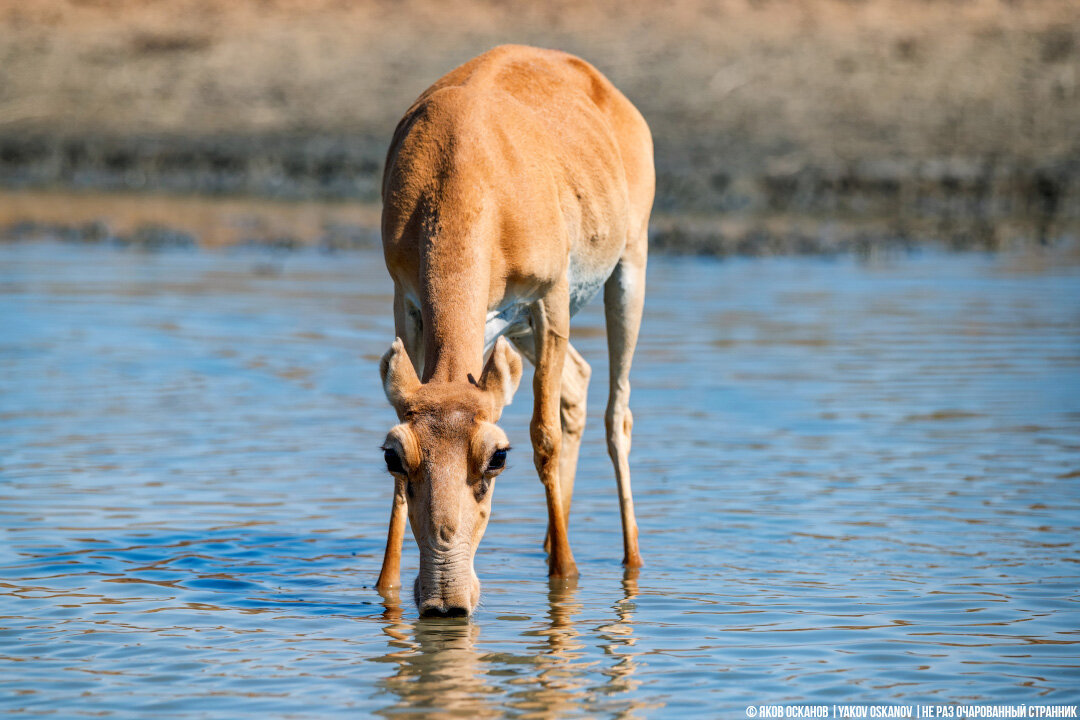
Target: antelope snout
pixel 434 608
pixel 447 592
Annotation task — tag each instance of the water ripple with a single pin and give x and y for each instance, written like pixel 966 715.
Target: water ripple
pixel 856 482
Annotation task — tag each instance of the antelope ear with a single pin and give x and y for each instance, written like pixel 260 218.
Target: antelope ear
pixel 399 379
pixel 502 373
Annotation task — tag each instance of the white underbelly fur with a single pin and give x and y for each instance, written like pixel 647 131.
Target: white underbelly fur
pixel 513 320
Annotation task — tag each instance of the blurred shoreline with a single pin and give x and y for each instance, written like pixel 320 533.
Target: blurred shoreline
pixel 780 125
pixel 156 221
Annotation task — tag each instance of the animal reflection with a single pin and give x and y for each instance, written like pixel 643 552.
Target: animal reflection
pixel 440 672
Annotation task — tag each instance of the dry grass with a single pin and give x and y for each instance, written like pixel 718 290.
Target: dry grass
pixel 944 77
pixel 737 92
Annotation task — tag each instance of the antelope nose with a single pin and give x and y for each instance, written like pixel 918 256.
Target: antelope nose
pixel 446 533
pixel 435 609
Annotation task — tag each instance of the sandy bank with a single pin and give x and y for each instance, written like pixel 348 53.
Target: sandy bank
pixel 932 116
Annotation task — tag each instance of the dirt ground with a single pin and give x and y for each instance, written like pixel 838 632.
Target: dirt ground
pixel 955 115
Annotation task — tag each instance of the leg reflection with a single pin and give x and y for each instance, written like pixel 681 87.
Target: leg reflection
pixel 562 607
pixel 393 617
pixel 570 665
pixel 619 637
pixel 561 673
pixel 566 680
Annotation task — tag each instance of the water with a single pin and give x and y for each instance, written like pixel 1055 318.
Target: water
pixel 856 482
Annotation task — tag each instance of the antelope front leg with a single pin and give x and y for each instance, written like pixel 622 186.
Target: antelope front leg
pixel 390 576
pixel 551 325
pixel 407 327
pixel 575 390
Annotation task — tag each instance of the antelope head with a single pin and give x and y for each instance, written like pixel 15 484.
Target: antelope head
pixel 445 455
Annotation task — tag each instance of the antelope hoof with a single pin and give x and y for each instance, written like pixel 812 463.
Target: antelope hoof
pixel 387 587
pixel 563 571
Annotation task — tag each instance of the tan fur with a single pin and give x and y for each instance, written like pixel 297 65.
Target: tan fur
pixel 522 179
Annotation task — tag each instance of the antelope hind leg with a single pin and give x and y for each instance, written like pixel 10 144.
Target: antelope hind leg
pixel 624 299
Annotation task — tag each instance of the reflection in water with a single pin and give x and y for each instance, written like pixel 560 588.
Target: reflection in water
pixel 560 675
pixel 442 672
pixel 438 670
pixel 620 637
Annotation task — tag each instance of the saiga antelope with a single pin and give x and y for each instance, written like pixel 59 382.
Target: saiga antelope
pixel 515 188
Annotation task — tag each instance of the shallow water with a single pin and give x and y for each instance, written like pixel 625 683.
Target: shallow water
pixel 857 481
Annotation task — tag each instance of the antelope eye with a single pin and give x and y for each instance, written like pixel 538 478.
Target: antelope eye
pixel 393 461
pixel 498 460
